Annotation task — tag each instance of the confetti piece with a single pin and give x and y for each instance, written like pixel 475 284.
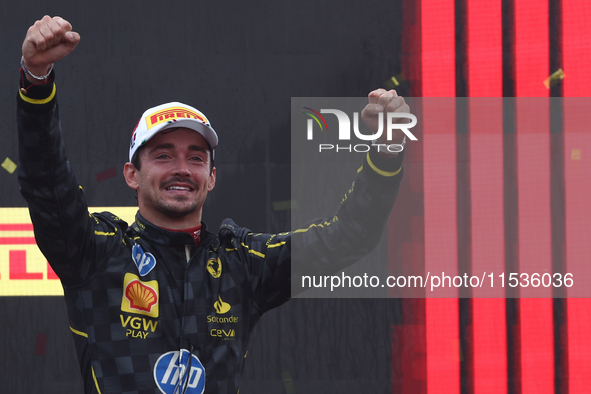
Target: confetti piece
pixel 41 342
pixel 107 174
pixel 553 79
pixel 284 205
pixel 9 165
pixel 394 81
pixel 575 154
pixel 288 382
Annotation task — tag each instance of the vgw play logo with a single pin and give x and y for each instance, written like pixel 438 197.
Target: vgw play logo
pixel 345 130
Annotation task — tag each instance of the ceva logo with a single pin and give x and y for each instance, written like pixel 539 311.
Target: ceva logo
pixel 344 133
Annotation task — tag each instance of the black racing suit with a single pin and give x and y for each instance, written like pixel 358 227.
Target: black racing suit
pixel 145 305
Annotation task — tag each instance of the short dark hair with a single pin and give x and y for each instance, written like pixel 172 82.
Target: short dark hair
pixel 137 163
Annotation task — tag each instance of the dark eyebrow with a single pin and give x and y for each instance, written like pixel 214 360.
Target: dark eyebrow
pixel 198 148
pixel 162 146
pixel 168 145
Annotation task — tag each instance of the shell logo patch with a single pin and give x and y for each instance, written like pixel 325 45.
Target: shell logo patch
pixel 140 297
pixel 214 267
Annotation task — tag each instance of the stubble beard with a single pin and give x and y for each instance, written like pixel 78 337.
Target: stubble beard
pixel 179 208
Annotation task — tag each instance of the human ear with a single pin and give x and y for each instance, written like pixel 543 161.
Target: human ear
pixel 130 173
pixel 211 180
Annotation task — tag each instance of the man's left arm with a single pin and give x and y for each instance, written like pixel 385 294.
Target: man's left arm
pixel 331 244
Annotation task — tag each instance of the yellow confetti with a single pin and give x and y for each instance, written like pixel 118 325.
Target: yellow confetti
pixel 394 81
pixel 9 165
pixel 553 79
pixel 575 154
pixel 288 382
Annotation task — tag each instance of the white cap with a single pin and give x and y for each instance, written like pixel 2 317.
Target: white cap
pixel 171 115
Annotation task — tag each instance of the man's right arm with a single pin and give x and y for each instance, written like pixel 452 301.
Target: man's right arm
pixel 56 205
pixel 63 228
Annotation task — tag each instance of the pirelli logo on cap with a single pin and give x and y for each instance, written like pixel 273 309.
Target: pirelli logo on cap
pixel 170 114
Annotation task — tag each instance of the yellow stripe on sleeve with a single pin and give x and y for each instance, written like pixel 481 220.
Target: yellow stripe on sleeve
pixel 82 334
pixel 381 172
pixel 256 253
pixel 39 101
pixel 105 233
pixel 321 225
pixel 85 335
pixel 95 382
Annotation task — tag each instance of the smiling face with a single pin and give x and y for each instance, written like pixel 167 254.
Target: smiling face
pixel 174 180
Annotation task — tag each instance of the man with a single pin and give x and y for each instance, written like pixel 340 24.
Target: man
pixel 164 305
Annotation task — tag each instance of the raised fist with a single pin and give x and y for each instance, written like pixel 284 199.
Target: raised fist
pixel 48 41
pixel 384 101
